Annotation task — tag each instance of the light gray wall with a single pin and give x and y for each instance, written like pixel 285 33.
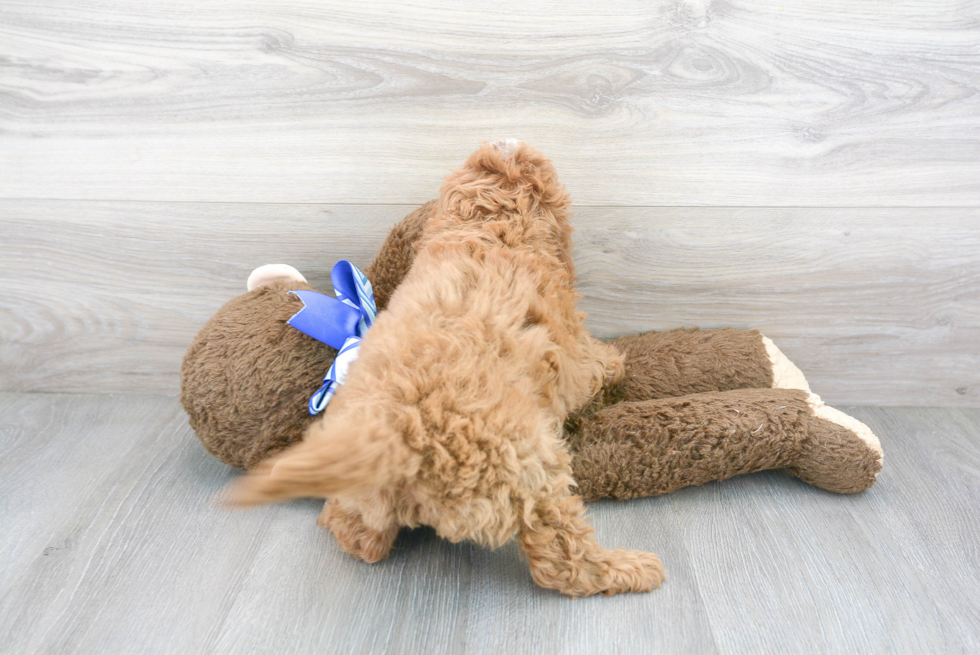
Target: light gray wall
pixel 811 169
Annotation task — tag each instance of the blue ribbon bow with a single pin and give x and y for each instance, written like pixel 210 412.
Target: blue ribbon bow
pixel 338 322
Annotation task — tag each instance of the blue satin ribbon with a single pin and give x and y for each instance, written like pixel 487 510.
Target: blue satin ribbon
pixel 338 322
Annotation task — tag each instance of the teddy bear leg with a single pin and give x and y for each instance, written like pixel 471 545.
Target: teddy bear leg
pixel 557 540
pixel 838 453
pixel 647 448
pixel 682 362
pixel 365 528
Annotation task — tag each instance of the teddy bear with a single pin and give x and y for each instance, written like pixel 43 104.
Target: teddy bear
pixel 694 406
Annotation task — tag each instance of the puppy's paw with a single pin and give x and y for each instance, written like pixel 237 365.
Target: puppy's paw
pixel 632 571
pixel 369 546
pixel 323 520
pixel 354 536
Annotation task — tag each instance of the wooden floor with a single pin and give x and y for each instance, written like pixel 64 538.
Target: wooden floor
pixel 112 542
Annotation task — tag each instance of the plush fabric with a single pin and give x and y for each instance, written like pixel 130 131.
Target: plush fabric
pixel 452 415
pixel 646 448
pixel 681 362
pixel 247 377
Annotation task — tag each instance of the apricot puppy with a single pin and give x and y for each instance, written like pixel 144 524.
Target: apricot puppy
pixel 452 415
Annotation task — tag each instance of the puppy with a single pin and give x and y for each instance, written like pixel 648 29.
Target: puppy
pixel 452 415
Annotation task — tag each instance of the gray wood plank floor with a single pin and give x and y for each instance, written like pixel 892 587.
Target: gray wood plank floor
pixel 112 542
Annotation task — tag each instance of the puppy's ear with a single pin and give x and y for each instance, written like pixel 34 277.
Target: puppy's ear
pixel 340 455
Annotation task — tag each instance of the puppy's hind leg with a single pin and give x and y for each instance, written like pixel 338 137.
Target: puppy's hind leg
pixel 558 543
pixel 368 533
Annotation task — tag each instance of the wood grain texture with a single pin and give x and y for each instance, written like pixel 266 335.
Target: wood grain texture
pixel 113 543
pixel 891 570
pixel 667 102
pixel 877 306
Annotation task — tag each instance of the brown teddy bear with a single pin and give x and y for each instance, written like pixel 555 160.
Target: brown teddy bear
pixel 694 405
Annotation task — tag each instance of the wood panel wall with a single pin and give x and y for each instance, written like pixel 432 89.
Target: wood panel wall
pixel 810 168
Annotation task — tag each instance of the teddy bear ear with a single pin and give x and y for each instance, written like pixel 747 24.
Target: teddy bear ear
pixel 269 273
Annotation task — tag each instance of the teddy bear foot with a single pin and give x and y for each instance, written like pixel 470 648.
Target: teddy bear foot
pixel 840 453
pixel 785 374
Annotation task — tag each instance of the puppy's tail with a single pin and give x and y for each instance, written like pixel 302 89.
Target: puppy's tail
pixel 340 455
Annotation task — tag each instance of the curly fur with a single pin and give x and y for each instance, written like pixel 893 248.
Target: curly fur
pixel 452 415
